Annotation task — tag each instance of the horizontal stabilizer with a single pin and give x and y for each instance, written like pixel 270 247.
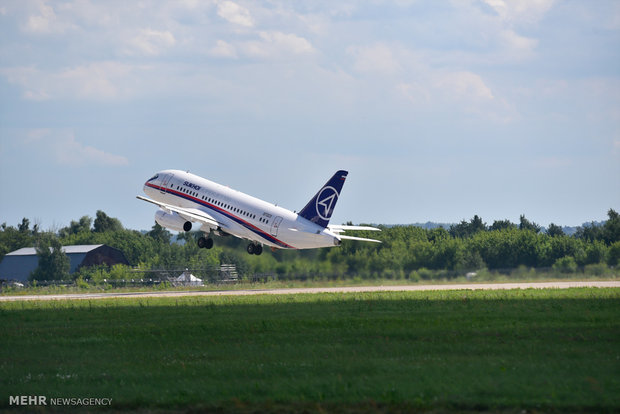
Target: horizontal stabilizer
pixel 341 228
pixel 342 237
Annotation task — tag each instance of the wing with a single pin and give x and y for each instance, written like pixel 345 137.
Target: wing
pixel 189 214
pixel 339 229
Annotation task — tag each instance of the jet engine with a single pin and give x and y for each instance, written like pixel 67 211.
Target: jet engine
pixel 172 221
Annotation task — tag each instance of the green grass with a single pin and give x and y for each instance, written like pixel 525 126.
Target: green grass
pixel 503 351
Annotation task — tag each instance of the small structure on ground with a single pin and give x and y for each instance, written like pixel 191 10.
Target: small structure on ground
pixel 188 279
pixel 18 265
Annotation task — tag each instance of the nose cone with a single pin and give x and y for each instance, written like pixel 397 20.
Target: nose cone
pixel 150 183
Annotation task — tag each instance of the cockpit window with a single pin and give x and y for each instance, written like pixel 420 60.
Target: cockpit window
pixel 156 176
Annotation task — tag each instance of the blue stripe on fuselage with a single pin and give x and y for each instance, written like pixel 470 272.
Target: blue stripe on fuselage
pixel 217 209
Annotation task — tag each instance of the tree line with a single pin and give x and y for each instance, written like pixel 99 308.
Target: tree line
pixel 406 251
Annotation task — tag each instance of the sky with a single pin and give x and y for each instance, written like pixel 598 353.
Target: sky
pixel 439 110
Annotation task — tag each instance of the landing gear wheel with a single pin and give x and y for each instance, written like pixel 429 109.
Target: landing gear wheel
pixel 255 248
pixel 205 243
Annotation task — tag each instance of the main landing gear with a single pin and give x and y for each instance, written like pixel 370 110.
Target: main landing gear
pixel 256 249
pixel 205 243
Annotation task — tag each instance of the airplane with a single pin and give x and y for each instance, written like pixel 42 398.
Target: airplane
pixel 185 198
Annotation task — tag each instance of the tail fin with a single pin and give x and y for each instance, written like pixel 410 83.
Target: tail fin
pixel 319 210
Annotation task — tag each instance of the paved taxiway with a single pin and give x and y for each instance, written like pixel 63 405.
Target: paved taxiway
pixel 463 286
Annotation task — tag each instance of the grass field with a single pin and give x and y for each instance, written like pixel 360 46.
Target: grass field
pixel 504 351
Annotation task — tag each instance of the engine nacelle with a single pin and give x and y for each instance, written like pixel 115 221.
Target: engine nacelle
pixel 172 221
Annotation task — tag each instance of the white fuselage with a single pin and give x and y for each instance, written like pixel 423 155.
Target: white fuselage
pixel 240 214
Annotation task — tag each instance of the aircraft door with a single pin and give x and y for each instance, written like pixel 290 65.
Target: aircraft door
pixel 275 226
pixel 165 181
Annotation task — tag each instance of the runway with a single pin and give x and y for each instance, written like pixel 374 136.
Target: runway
pixel 348 289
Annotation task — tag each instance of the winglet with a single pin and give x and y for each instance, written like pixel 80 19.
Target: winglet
pixel 320 208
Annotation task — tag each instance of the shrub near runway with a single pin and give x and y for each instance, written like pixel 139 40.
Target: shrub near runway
pixel 455 350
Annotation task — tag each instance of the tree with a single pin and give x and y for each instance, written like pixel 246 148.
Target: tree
pixel 24 226
pixel 613 256
pixel 104 223
pixel 54 264
pixel 76 227
pixel 555 230
pixel 611 229
pixel 459 230
pixel 589 232
pixel 525 224
pixel 476 224
pixel 502 225
pixel 159 233
pixel 12 238
pixel 465 229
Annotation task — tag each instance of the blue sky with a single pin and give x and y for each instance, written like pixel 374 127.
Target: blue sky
pixel 439 110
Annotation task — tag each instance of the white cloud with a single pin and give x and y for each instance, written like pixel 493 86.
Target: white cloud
pixel 223 49
pixel 95 81
pixel 36 135
pixel 45 21
pixel 70 152
pixel 512 16
pixel 375 58
pixel 234 13
pixel 189 4
pixel 463 92
pixel 66 150
pixel 415 92
pixel 463 86
pixel 30 79
pixel 275 44
pixel 520 45
pixel 287 42
pixel 521 11
pixel 152 42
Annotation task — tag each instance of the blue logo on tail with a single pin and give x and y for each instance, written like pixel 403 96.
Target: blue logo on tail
pixel 319 210
pixel 326 201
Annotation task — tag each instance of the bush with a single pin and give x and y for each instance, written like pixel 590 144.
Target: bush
pixel 119 272
pixel 566 264
pixel 81 283
pixel 414 276
pixel 94 274
pixel 597 269
pixel 613 255
pixel 425 274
